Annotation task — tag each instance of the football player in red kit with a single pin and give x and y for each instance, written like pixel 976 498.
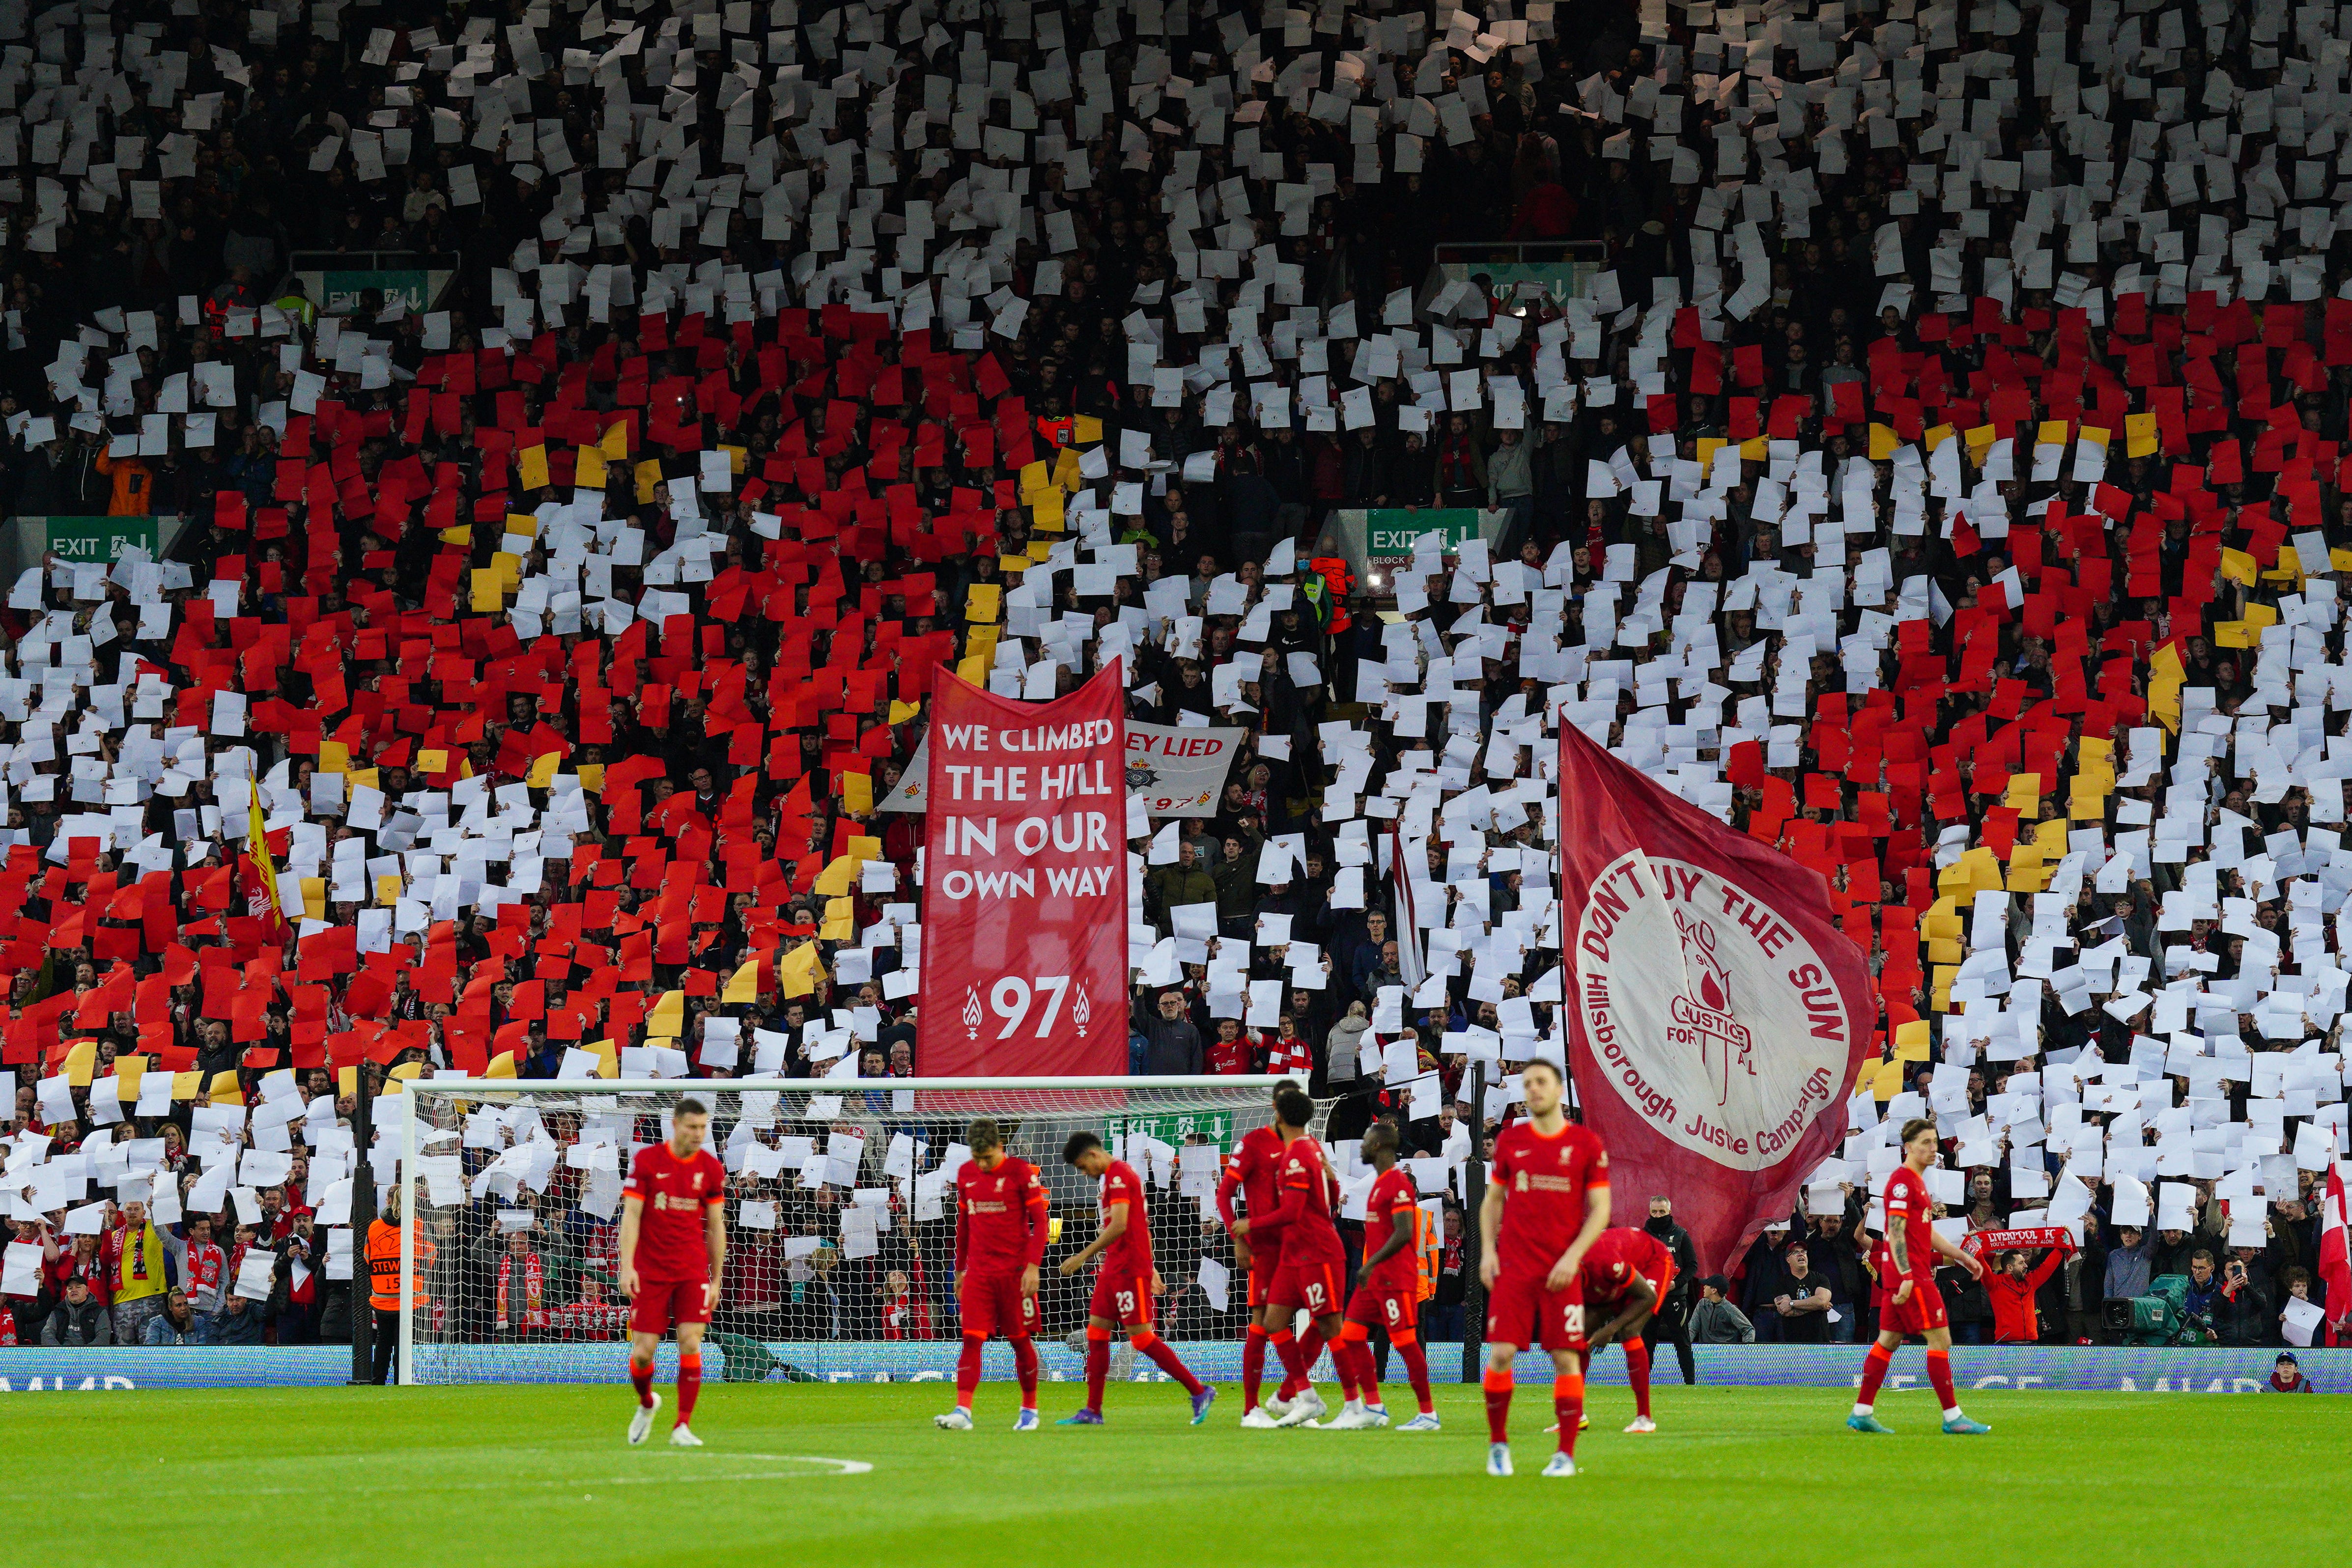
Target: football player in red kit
pixel 1626 1274
pixel 1388 1289
pixel 1125 1284
pixel 1003 1219
pixel 1313 1261
pixel 1255 1172
pixel 1908 1300
pixel 1546 1202
pixel 673 1247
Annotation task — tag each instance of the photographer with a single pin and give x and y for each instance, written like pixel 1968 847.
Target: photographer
pixel 2204 1294
pixel 2243 1311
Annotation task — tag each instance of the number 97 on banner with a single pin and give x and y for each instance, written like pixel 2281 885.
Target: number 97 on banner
pixel 1017 1001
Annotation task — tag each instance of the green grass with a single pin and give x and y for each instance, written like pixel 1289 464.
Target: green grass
pixel 515 1476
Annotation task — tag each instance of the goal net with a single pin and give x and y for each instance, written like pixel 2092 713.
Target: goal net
pixel 840 1217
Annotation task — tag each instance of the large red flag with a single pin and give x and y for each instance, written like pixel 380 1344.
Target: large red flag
pixel 2336 1257
pixel 1024 883
pixel 1716 1015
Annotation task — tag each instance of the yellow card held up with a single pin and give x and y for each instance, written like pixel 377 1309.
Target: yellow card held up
pixel 667 1019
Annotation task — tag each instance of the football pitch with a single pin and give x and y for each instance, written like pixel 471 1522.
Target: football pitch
pixel 854 1473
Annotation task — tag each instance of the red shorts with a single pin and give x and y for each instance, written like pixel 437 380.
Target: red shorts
pixel 661 1302
pixel 1383 1308
pixel 1123 1299
pixel 995 1304
pixel 1264 1265
pixel 1521 1313
pixel 1312 1285
pixel 1923 1312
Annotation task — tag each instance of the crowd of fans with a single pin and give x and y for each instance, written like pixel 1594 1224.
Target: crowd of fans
pixel 1938 476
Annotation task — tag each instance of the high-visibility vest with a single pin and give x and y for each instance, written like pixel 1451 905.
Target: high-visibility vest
pixel 1428 1248
pixel 1339 582
pixel 383 1267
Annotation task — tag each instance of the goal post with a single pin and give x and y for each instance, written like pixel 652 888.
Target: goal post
pixel 840 1217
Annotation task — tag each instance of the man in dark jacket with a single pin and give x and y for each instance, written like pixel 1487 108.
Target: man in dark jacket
pixel 2243 1312
pixel 1172 1048
pixel 1672 1322
pixel 1766 1279
pixel 2174 1251
pixel 1186 882
pixel 79 1319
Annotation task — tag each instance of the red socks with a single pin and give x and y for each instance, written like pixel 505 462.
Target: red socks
pixel 968 1371
pixel 1568 1405
pixel 1024 1367
pixel 1637 1372
pixel 1939 1374
pixel 1873 1373
pixel 1252 1366
pixel 1360 1365
pixel 1294 1375
pixel 1416 1366
pixel 689 1383
pixel 1097 1367
pixel 641 1378
pixel 1163 1356
pixel 1497 1385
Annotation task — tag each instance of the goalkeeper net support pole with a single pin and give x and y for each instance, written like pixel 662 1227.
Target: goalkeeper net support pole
pixel 840 1217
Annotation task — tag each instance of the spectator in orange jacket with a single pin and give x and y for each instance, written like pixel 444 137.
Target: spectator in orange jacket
pixel 133 483
pixel 2014 1321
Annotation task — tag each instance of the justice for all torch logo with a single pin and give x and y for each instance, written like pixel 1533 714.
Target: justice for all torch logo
pixel 1710 1015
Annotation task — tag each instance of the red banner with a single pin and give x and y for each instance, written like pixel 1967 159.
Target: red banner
pixel 1717 1015
pixel 1024 883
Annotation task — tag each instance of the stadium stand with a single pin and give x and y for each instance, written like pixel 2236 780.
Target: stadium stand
pixel 592 427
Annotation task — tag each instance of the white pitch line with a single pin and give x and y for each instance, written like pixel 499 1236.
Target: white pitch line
pixel 512 1483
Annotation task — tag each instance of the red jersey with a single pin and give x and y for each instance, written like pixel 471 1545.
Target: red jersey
pixel 1909 1205
pixel 1001 1217
pixel 1132 1253
pixel 1231 1056
pixel 1545 1184
pixel 1393 1194
pixel 1308 1236
pixel 1256 1164
pixel 675 1192
pixel 1619 1254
